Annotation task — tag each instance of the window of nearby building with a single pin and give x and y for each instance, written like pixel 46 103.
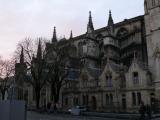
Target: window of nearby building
pixel 135 78
pixel 85 80
pixel 107 99
pixel 111 99
pixel 83 99
pixel 152 99
pixel 75 101
pixel 139 98
pixel 86 99
pixel 109 81
pixel 133 99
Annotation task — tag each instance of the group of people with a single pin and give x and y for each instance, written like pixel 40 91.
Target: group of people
pixel 145 110
pixel 51 107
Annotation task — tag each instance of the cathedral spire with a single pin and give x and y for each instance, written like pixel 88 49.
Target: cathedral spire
pixel 54 38
pixel 90 27
pixel 22 56
pixel 71 35
pixel 110 19
pixel 39 50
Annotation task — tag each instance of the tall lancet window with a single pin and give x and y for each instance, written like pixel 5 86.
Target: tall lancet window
pixel 109 81
pixel 135 78
pixel 153 3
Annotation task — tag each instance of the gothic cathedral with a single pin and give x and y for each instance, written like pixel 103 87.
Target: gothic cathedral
pixel 114 68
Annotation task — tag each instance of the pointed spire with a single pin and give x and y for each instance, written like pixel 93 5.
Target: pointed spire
pixel 22 56
pixel 110 19
pixel 90 27
pixel 39 50
pixel 71 35
pixel 54 38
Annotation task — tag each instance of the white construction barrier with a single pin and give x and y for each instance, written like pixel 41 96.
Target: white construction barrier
pixel 12 110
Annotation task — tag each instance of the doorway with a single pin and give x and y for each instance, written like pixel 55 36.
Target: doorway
pixel 94 103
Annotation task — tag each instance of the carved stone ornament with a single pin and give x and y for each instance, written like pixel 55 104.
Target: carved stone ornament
pixel 157 52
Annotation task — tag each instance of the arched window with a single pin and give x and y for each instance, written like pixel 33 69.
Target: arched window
pixel 122 32
pixel 99 37
pixel 135 78
pixel 109 81
pixel 107 99
pixel 139 98
pixel 111 99
pixel 86 99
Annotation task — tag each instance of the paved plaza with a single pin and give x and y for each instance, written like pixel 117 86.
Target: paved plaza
pixel 37 116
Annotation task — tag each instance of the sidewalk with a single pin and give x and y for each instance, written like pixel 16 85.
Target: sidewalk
pixel 117 115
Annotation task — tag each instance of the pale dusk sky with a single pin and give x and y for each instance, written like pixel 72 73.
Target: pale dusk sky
pixel 36 18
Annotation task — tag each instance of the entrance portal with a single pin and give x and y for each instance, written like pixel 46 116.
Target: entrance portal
pixel 123 104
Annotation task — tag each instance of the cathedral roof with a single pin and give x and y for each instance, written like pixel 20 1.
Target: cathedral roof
pixel 115 67
pixel 122 23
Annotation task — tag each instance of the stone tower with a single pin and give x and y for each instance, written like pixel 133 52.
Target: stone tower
pixel 90 48
pixel 152 26
pixel 20 71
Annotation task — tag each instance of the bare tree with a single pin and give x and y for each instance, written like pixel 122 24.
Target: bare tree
pixel 57 70
pixel 7 71
pixel 30 49
pixel 35 64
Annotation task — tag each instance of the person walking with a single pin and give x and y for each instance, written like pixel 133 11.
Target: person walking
pixel 55 108
pixel 48 107
pixel 142 111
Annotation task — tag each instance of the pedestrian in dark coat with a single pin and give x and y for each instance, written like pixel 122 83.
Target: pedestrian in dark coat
pixel 142 111
pixel 48 106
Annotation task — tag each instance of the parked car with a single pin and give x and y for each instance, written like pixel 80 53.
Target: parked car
pixel 76 110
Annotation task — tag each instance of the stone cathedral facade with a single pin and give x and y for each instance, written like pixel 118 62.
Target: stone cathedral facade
pixel 113 68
